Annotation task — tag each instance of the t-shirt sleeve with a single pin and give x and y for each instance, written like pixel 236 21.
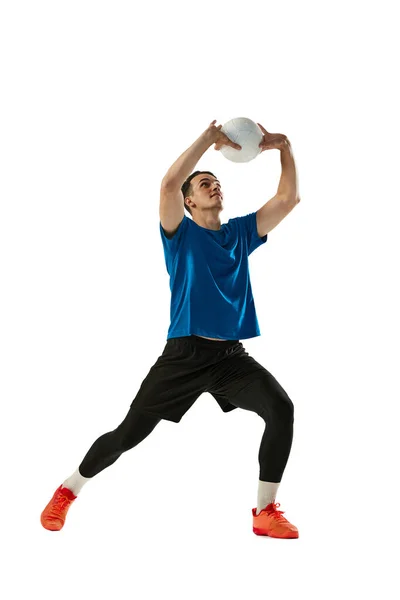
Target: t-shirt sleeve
pixel 172 245
pixel 248 225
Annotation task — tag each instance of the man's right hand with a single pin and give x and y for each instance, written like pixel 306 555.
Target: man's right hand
pixel 219 138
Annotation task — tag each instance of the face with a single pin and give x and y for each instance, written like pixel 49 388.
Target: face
pixel 206 191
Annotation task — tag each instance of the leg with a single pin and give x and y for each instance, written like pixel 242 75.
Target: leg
pixel 266 396
pixel 277 410
pixel 276 442
pixel 103 453
pixel 109 447
pixel 167 392
pixel 248 385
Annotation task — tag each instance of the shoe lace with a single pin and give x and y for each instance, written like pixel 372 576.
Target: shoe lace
pixel 61 501
pixel 277 514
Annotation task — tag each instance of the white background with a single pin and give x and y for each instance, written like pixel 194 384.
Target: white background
pixel 98 100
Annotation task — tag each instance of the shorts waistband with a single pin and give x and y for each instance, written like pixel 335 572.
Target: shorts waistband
pixel 209 343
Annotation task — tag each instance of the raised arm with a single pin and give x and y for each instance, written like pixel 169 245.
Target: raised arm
pixel 185 164
pixel 171 197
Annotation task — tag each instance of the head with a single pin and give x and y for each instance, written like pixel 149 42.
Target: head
pixel 199 189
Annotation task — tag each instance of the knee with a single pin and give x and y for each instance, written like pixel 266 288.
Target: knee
pixel 134 429
pixel 280 409
pixel 289 409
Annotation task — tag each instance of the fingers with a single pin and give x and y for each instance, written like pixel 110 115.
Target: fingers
pixel 219 145
pixel 228 142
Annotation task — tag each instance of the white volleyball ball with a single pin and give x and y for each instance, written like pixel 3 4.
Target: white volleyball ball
pixel 247 134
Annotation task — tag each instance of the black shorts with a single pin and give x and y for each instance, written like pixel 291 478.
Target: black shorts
pixel 190 366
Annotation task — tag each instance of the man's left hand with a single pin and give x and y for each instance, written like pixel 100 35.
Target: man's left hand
pixel 272 140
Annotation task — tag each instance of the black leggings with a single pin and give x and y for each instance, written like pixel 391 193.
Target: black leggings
pixel 187 368
pixel 109 447
pixel 272 457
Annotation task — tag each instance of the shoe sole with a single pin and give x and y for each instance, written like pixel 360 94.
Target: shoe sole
pixel 49 529
pixel 289 536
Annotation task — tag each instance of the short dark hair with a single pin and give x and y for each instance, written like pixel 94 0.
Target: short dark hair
pixel 187 188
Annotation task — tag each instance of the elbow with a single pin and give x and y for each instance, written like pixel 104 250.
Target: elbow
pixel 292 201
pixel 295 201
pixel 171 184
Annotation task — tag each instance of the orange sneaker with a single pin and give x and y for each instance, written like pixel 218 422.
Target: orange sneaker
pixel 270 522
pixel 53 516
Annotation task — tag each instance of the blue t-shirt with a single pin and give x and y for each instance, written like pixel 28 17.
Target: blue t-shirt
pixel 210 285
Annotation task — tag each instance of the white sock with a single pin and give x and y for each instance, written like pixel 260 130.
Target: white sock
pixel 76 482
pixel 266 494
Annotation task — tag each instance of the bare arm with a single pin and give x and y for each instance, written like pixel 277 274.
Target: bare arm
pixel 171 197
pixel 185 164
pixel 183 167
pixel 288 184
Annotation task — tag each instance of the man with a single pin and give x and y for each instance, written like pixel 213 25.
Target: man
pixel 212 308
